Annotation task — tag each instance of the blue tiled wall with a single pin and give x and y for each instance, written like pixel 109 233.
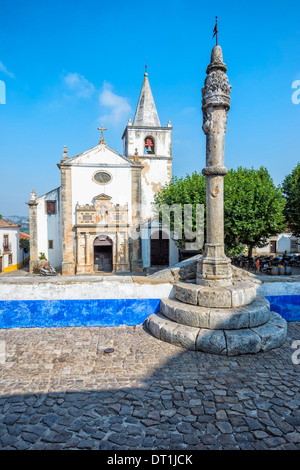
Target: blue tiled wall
pixel 288 306
pixel 61 313
pixel 105 312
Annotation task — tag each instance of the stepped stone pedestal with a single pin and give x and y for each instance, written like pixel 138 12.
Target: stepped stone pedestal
pixel 216 314
pixel 228 320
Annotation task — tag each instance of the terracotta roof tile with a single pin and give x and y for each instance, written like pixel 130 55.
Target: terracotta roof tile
pixel 6 223
pixel 26 236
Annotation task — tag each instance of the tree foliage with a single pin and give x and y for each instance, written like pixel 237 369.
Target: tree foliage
pixel 253 205
pixel 253 208
pixel 25 245
pixel 190 189
pixel 291 191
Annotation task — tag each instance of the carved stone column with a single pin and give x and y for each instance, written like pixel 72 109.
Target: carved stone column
pixel 87 249
pixel 68 264
pixel 215 268
pixel 33 230
pixel 215 315
pixel 136 262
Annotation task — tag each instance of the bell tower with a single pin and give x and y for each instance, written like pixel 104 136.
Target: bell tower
pixel 148 142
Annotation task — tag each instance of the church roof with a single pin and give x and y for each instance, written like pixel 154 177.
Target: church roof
pixel 84 154
pixel 146 113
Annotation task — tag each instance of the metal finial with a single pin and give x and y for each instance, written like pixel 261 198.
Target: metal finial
pixel 146 66
pixel 216 31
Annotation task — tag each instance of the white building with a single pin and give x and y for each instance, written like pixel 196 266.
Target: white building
pixel 101 217
pixel 279 244
pixel 12 256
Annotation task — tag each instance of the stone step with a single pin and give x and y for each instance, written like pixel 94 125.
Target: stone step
pixel 239 294
pixel 223 342
pixel 252 315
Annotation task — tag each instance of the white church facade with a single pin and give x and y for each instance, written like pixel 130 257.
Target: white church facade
pixel 101 217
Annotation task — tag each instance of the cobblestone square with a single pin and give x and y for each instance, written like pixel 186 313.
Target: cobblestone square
pixel 60 390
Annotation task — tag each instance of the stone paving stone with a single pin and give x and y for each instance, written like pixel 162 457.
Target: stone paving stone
pixel 224 427
pixel 61 392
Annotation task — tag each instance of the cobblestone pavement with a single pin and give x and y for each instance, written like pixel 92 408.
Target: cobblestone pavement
pixel 60 390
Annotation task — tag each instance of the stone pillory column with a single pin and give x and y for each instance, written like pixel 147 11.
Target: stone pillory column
pixel 219 312
pixel 215 268
pixel 33 230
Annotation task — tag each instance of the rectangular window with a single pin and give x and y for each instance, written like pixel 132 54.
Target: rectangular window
pixel 5 243
pixel 50 244
pixel 294 246
pixel 50 207
pixel 10 260
pixel 87 217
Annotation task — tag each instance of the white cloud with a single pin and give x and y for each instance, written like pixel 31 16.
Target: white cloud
pixel 118 106
pixel 4 70
pixel 79 85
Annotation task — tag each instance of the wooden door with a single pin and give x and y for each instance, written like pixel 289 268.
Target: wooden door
pixel 103 254
pixel 159 250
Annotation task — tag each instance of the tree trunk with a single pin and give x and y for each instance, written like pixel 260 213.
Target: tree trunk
pixel 250 249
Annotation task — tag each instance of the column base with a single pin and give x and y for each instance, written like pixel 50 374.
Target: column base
pixel 33 265
pixel 68 269
pixel 122 268
pixel 85 269
pixel 214 271
pixel 137 266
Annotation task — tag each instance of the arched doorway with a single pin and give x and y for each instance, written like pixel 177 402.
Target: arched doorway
pixel 159 249
pixel 103 254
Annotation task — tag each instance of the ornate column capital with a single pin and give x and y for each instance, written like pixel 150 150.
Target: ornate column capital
pixel 216 90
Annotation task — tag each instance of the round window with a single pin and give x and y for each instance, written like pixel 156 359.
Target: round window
pixel 102 177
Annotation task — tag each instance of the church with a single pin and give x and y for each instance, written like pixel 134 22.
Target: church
pixel 101 217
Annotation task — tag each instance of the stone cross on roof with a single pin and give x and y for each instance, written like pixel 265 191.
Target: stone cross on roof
pixel 102 141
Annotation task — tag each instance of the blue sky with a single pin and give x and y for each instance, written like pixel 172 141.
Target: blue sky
pixel 68 66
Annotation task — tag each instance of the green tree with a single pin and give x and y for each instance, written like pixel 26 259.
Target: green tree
pixel 291 191
pixel 253 208
pixel 253 205
pixel 25 245
pixel 190 189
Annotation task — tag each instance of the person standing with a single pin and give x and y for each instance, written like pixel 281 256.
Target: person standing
pixel 257 266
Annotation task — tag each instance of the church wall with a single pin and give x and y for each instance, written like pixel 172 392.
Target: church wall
pixel 84 189
pixel 155 174
pixel 174 253
pixel 49 228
